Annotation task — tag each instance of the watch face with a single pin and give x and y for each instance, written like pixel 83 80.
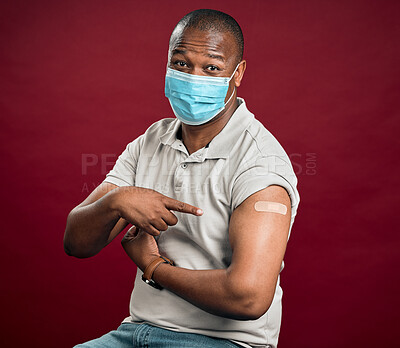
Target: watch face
pixel 152 283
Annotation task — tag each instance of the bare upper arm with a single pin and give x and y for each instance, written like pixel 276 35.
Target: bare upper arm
pixel 258 240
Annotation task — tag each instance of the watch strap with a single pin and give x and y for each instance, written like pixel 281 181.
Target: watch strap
pixel 149 270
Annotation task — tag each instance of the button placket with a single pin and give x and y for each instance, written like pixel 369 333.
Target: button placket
pixel 179 175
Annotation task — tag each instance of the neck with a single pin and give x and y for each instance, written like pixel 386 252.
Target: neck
pixel 196 137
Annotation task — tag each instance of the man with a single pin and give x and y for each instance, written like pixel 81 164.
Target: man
pixel 212 198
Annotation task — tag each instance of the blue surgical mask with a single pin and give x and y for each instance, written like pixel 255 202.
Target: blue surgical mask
pixel 196 99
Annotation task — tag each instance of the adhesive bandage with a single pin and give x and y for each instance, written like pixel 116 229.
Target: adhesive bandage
pixel 270 207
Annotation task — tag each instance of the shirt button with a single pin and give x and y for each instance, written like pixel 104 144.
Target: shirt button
pixel 184 165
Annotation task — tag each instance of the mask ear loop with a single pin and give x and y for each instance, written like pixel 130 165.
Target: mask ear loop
pixel 234 71
pixel 230 97
pixel 235 86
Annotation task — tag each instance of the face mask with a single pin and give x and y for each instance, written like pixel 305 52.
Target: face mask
pixel 196 99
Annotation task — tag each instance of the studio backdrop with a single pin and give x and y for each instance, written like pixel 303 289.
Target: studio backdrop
pixel 80 79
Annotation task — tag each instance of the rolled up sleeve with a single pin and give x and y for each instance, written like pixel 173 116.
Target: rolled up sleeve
pixel 262 172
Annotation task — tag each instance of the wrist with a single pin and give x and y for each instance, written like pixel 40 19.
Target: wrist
pixel 116 198
pixel 148 273
pixel 161 269
pixel 147 261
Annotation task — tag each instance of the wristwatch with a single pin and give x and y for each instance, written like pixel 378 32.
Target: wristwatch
pixel 148 272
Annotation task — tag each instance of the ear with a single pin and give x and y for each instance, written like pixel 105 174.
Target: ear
pixel 239 73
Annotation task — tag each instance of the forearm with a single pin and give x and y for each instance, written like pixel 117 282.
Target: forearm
pixel 216 291
pixel 88 227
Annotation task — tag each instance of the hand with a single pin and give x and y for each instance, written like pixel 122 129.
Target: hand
pixel 140 247
pixel 148 209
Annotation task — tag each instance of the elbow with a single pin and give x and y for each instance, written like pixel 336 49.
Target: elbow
pixel 256 311
pixel 253 308
pixel 72 250
pixel 76 249
pixel 78 252
pixel 67 250
pixel 74 245
pixel 68 245
pixel 251 300
pixel 75 252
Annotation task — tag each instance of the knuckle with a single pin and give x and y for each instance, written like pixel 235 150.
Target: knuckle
pixel 152 218
pixel 181 206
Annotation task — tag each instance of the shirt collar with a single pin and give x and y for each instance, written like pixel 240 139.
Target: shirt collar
pixel 221 145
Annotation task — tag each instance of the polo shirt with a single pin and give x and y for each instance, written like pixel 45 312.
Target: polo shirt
pixel 243 158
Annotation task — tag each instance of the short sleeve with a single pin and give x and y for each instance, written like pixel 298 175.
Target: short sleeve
pixel 124 170
pixel 262 172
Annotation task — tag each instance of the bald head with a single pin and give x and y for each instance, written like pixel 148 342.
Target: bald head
pixel 210 21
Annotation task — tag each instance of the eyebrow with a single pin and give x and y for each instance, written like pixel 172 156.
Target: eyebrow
pixel 216 56
pixel 178 51
pixel 211 55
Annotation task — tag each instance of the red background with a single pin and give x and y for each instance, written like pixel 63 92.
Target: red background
pixel 80 79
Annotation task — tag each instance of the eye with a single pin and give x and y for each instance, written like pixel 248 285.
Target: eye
pixel 212 68
pixel 180 63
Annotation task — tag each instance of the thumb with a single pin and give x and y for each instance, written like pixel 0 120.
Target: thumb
pixel 132 233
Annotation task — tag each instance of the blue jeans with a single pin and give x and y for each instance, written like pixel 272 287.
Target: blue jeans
pixel 130 335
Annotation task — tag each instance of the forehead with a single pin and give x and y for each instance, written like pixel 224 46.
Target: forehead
pixel 204 42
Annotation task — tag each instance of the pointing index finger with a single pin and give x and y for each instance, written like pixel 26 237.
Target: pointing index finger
pixel 182 207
